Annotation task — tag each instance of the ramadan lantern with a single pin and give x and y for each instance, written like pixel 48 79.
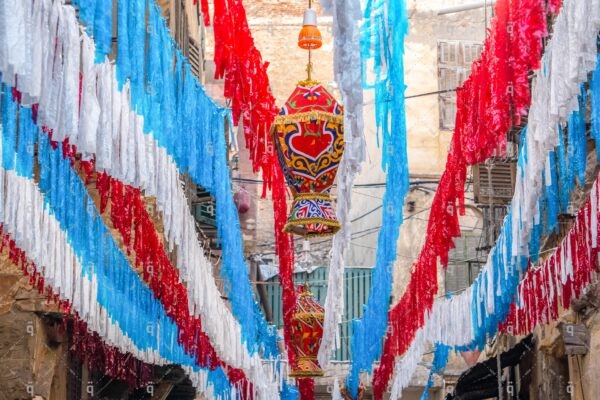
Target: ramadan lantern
pixel 307 331
pixel 309 138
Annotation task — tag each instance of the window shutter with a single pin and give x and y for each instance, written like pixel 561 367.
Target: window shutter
pixel 457 277
pixel 502 177
pixel 195 58
pixel 454 66
pixel 470 53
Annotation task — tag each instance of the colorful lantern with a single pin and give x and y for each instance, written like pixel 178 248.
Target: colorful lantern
pixel 307 332
pixel 309 137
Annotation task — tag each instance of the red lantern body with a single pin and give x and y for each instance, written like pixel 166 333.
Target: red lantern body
pixel 307 332
pixel 309 137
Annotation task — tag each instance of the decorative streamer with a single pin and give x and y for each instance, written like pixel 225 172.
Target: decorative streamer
pixel 247 85
pixel 92 349
pixel 474 140
pixel 152 95
pixel 87 345
pixel 195 341
pixel 163 183
pixel 347 68
pixel 154 262
pixel 506 259
pixel 562 277
pixel 83 291
pixel 595 99
pixel 440 359
pixel 382 39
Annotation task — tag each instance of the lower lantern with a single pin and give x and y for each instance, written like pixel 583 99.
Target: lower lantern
pixel 307 332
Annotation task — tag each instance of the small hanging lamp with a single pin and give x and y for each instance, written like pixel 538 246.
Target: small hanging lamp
pixel 310 36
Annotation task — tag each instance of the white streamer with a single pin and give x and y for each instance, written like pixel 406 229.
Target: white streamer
pixel 348 74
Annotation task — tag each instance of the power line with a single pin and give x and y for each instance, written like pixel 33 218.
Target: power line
pixel 360 185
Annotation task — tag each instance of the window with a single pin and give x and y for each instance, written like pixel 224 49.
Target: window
pixel 464 262
pixel 454 66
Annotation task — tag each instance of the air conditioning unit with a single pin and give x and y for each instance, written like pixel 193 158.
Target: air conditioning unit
pixel 494 182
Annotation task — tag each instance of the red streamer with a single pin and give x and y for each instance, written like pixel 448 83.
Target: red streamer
pixel 247 86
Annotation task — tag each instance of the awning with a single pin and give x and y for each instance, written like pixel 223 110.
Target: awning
pixel 481 381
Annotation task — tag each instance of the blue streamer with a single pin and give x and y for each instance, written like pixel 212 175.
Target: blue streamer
pixel 27 139
pixel 595 97
pixel 123 62
pixel 552 196
pixel 87 12
pixel 440 359
pixel 103 19
pixel 563 179
pixel 9 130
pixel 136 41
pixel 536 236
pixel 576 147
pixel 289 392
pixel 382 41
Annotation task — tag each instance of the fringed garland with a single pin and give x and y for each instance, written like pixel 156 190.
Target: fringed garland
pixel 382 39
pixel 474 140
pixel 562 277
pixel 92 349
pixel 161 179
pixel 128 213
pixel 492 291
pixel 87 345
pixel 47 243
pixel 195 342
pixel 173 104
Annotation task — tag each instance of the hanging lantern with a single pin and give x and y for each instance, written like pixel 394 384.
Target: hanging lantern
pixel 309 138
pixel 242 200
pixel 310 36
pixel 307 332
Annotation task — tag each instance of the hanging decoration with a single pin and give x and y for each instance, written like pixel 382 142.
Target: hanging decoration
pixel 347 70
pixel 382 43
pixel 139 159
pixel 541 174
pixel 474 140
pixel 562 277
pixel 75 286
pixel 132 207
pixel 126 363
pixel 309 137
pixel 307 331
pixel 85 343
